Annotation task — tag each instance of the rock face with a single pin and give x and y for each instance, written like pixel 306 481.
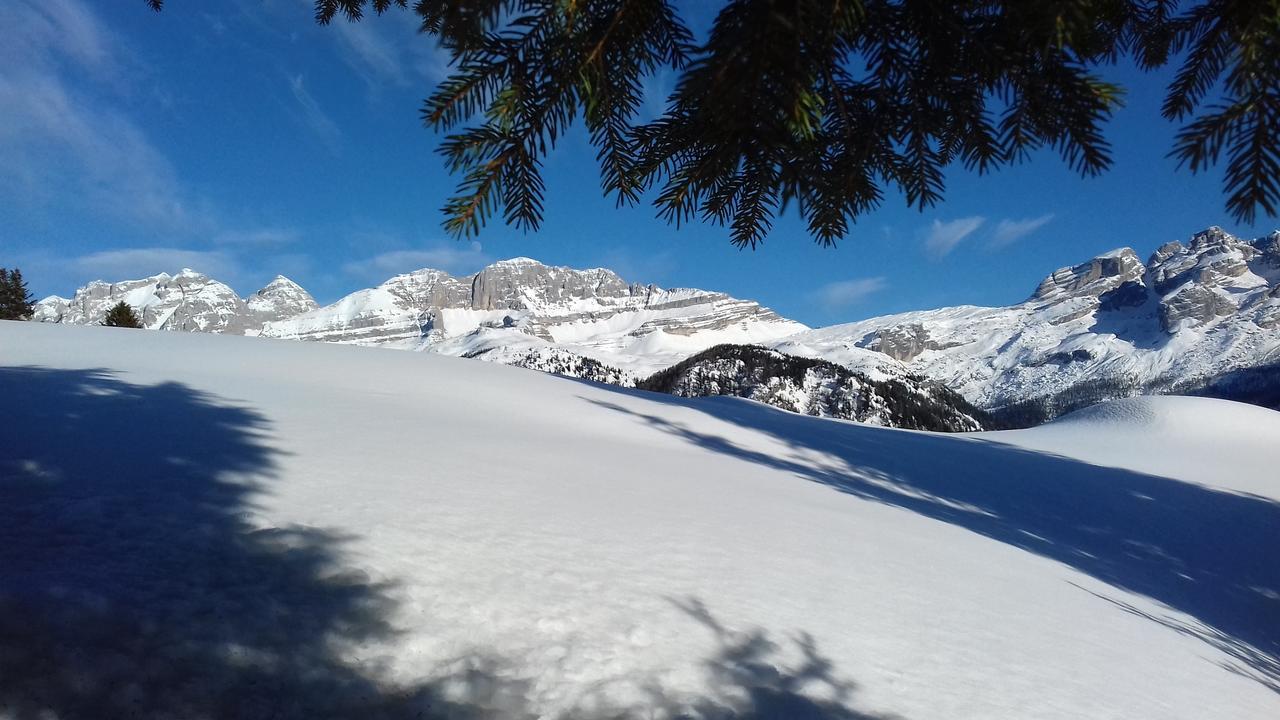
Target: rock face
pixel 1109 327
pixel 816 387
pixel 902 342
pixel 1093 279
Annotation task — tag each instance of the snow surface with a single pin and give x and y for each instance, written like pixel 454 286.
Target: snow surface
pixel 211 526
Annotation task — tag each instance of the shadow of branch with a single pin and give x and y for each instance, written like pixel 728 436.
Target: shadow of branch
pixel 1190 547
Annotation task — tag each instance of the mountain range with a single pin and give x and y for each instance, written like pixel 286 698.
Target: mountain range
pixel 1201 317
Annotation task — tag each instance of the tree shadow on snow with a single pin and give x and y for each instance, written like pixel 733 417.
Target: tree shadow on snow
pixel 749 681
pixel 1206 553
pixel 133 584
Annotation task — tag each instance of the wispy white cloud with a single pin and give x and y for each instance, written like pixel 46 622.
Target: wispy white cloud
pixel 65 144
pixel 389 49
pixel 257 237
pixel 451 258
pixel 943 237
pixel 369 51
pixel 130 263
pixel 1009 231
pixel 838 295
pixel 313 115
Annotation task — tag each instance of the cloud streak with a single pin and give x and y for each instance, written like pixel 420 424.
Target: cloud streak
pixel 65 144
pixel 1009 231
pixel 314 117
pixel 839 295
pixel 390 50
pixel 943 237
pixel 132 263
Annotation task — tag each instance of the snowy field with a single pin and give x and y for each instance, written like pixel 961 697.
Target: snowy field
pixel 197 526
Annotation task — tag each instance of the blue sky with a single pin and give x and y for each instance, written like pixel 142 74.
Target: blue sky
pixel 240 139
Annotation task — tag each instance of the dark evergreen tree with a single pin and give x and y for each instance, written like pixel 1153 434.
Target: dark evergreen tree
pixel 15 302
pixel 828 105
pixel 122 315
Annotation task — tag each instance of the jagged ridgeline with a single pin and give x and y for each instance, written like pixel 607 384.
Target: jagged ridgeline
pixel 817 387
pixel 1198 318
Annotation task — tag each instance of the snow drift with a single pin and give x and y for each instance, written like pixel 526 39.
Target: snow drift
pixel 208 526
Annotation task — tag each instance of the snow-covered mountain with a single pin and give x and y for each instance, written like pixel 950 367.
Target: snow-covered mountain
pixel 1200 317
pixel 516 311
pixel 201 526
pixel 518 308
pixel 188 301
pixel 1109 327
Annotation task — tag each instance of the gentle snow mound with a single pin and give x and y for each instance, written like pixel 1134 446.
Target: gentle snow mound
pixel 1153 433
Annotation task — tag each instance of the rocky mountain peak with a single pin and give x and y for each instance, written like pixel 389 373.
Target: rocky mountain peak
pixel 1100 275
pixel 279 299
pixel 522 283
pixel 1212 236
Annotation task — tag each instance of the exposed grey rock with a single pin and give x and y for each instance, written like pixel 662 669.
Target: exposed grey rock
pixel 1129 294
pixel 51 309
pixel 1193 302
pixel 1266 259
pixel 1094 278
pixel 521 283
pixel 1266 312
pixel 1212 258
pixel 282 298
pixel 902 343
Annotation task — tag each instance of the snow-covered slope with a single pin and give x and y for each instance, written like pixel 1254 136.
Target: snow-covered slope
pixel 210 526
pixel 1109 327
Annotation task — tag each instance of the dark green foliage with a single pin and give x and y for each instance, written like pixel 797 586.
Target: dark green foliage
pixel 1040 410
pixel 122 315
pixel 830 105
pixel 1256 386
pixel 754 372
pixel 769 363
pixel 564 363
pixel 15 302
